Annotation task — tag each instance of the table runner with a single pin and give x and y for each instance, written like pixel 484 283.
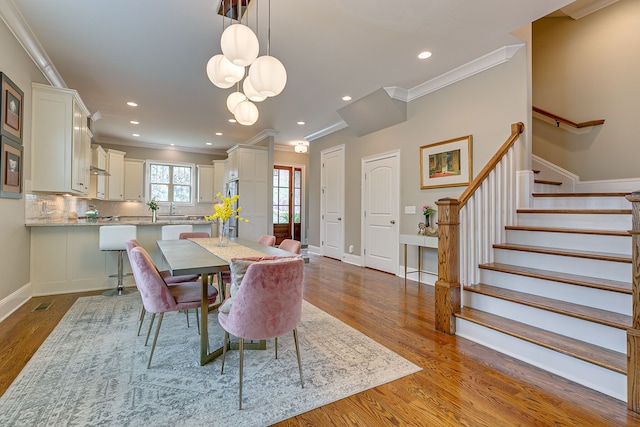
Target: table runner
pixel 234 250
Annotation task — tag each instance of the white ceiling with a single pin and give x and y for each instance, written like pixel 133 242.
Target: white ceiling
pixel 154 52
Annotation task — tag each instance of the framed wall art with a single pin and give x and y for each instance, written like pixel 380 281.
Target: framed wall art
pixel 11 167
pixel 11 106
pixel 446 164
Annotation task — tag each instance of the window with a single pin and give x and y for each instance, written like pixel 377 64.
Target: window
pixel 287 195
pixel 171 182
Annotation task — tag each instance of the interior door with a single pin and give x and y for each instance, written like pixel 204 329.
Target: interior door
pixel 381 212
pixel 332 202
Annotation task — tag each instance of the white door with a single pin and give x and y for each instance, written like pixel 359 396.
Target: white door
pixel 332 202
pixel 381 187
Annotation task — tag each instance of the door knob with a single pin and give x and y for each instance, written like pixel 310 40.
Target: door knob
pixel 339 218
pixel 393 221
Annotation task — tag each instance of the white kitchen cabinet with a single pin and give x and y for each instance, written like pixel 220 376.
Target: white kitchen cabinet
pixel 206 176
pixel 60 162
pixel 218 177
pixel 98 181
pixel 134 180
pixel 115 180
pixel 253 175
pixel 231 167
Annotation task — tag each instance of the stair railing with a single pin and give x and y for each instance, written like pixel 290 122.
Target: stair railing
pixel 469 226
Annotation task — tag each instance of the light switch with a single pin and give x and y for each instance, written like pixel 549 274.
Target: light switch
pixel 409 209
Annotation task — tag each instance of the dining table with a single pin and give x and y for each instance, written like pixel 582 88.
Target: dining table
pixel 203 256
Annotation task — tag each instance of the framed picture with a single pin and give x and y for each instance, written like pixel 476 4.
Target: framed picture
pixel 11 167
pixel 446 164
pixel 11 109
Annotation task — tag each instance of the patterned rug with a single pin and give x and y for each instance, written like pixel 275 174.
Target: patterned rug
pixel 91 371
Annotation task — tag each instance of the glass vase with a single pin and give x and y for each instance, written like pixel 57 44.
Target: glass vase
pixel 426 220
pixel 154 217
pixel 223 233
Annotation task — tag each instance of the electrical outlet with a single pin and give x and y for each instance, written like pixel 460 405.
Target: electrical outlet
pixel 409 209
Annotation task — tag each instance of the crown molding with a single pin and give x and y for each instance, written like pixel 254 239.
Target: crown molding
pixel 326 131
pixel 266 133
pixel 30 43
pixel 580 9
pixel 469 69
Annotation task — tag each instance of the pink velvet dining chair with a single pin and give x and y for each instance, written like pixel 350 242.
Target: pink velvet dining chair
pixel 157 297
pixel 267 239
pixel 268 304
pixel 194 235
pixel 290 245
pixel 169 280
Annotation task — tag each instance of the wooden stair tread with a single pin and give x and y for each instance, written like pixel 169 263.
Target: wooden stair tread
pixel 569 230
pixel 572 279
pixel 580 194
pixel 577 211
pixel 591 353
pixel 604 256
pixel 544 181
pixel 596 315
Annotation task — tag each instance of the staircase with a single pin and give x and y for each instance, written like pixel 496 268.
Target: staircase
pixel 557 292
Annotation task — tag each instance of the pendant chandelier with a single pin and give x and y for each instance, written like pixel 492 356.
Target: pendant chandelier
pixel 266 77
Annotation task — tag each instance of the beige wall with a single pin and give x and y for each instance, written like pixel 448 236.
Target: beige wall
pixel 586 70
pixel 15 237
pixel 484 105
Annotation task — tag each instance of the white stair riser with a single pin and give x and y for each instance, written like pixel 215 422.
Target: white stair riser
pixel 590 297
pixel 592 376
pixel 547 188
pixel 566 264
pixel 610 244
pixel 581 203
pixel 594 333
pixel 579 221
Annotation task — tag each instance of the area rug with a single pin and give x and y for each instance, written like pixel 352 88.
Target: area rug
pixel 91 371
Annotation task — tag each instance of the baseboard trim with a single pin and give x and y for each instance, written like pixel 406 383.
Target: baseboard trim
pixel 14 301
pixel 352 259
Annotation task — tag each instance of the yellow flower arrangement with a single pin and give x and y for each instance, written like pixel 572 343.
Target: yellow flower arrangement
pixel 225 210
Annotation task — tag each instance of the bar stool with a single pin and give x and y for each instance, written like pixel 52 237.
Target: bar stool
pixel 172 232
pixel 114 238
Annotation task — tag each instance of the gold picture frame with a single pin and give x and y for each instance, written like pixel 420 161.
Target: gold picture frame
pixel 11 107
pixel 447 163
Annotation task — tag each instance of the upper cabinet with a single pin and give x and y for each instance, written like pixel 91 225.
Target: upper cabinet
pixel 98 180
pixel 60 146
pixel 134 180
pixel 206 177
pixel 115 180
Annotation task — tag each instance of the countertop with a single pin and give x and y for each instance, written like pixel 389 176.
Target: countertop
pixel 124 220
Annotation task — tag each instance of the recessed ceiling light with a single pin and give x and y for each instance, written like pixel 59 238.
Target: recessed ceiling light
pixel 135 134
pixel 424 55
pixel 208 143
pixel 133 122
pixel 232 120
pixel 132 104
pixel 172 144
pixel 219 133
pixel 301 123
pixel 346 98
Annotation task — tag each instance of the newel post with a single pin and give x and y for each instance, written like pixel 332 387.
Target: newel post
pixel 633 334
pixel 447 286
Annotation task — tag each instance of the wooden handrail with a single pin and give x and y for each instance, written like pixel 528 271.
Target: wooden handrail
pixel 516 130
pixel 560 119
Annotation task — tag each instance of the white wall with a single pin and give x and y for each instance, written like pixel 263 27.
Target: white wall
pixel 484 105
pixel 587 70
pixel 14 236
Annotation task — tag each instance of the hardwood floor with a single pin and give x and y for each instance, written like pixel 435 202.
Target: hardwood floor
pixel 461 384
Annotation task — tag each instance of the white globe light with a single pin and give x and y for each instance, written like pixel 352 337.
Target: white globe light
pixel 231 73
pixel 251 93
pixel 234 99
pixel 246 113
pixel 239 44
pixel 268 76
pixel 214 75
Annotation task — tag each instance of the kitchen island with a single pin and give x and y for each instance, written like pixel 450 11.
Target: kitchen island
pixel 65 256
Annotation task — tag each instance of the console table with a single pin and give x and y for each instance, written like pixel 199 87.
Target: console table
pixel 420 242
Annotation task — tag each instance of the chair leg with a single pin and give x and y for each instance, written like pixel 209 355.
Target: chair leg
pixel 225 344
pixel 153 317
pixel 241 366
pixel 155 338
pixel 186 312
pixel 295 339
pixel 276 347
pixel 142 313
pixel 198 321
